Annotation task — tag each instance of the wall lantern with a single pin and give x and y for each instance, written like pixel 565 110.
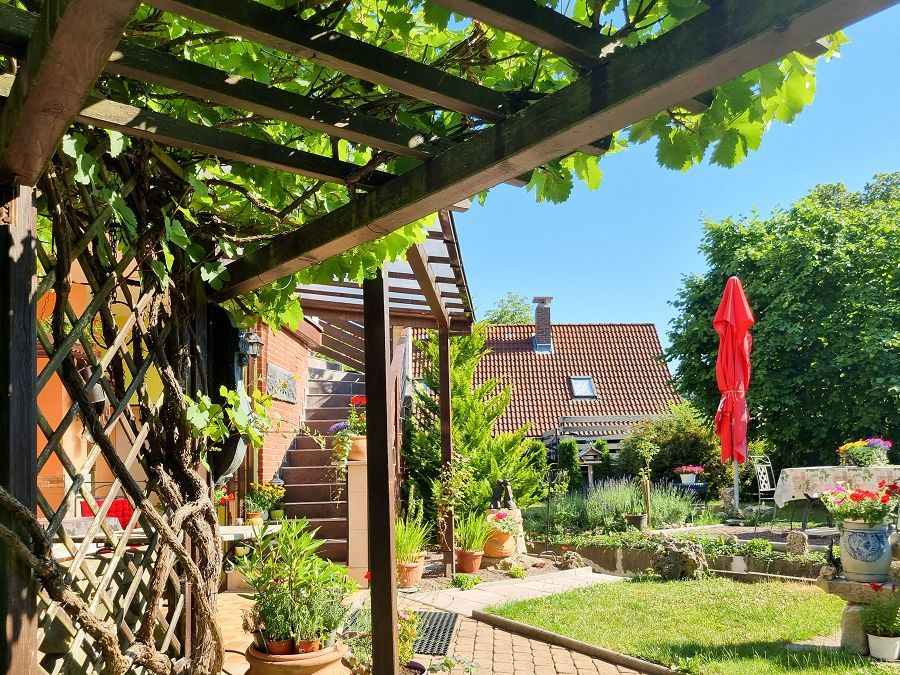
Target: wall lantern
pixel 250 346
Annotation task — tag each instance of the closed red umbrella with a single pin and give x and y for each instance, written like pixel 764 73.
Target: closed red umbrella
pixel 732 323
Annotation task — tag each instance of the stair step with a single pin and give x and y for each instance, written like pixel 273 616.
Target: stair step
pixel 314 492
pixel 329 528
pixel 333 413
pixel 323 374
pixel 299 475
pixel 334 549
pixel 320 426
pixel 310 456
pixel 323 364
pixel 314 401
pixel 305 442
pixel 323 386
pixel 323 509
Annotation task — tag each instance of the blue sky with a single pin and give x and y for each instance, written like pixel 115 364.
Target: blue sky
pixel 619 253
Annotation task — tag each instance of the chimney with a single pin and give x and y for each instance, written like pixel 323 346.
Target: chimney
pixel 543 333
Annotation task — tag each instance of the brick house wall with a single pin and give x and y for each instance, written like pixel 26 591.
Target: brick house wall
pixel 289 350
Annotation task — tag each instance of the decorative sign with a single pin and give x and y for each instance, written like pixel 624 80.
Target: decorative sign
pixel 280 384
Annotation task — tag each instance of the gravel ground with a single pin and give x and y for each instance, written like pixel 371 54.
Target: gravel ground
pixel 434 579
pixel 770 532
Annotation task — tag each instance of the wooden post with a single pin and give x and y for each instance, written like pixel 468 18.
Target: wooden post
pixel 381 500
pixel 446 440
pixel 18 417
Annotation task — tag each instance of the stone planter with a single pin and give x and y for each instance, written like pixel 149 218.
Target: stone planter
pixel 468 561
pixel 638 520
pixel 323 662
pixel 688 478
pixel 358 449
pixel 500 545
pixel 884 648
pixel 865 551
pixel 410 574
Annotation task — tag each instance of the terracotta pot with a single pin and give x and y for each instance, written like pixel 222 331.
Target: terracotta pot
pixel 500 545
pixel 307 646
pixel 323 662
pixel 358 449
pixel 468 561
pixel 255 519
pixel 280 646
pixel 410 574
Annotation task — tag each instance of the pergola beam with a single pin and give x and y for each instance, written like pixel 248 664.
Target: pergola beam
pixel 418 261
pixel 727 40
pixel 539 25
pixel 62 61
pixel 143 123
pixel 217 86
pixel 283 31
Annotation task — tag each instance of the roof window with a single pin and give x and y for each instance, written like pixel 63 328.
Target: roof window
pixel 582 386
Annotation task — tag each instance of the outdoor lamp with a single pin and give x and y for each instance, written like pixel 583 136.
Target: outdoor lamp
pixel 249 345
pixel 277 479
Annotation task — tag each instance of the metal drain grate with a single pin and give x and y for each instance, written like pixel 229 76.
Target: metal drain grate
pixel 435 632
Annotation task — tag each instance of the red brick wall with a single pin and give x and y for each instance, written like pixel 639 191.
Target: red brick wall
pixel 290 351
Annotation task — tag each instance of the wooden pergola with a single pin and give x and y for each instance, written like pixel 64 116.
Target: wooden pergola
pixel 72 43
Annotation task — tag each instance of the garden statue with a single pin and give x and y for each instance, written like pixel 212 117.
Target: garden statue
pixel 503 496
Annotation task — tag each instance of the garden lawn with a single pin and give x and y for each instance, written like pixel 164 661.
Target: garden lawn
pixel 708 626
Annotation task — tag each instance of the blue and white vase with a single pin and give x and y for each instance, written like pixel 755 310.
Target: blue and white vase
pixel 866 551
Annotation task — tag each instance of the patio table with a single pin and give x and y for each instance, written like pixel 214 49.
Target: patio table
pixel 808 482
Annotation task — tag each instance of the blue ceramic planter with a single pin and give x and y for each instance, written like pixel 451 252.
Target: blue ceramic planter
pixel 866 551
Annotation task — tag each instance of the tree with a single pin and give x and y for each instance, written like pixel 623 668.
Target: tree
pixel 822 280
pixel 513 308
pixel 569 464
pixel 482 456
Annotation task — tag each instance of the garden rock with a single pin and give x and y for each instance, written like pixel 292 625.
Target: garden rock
pixel 571 560
pixel 679 559
pixel 853 635
pixel 796 542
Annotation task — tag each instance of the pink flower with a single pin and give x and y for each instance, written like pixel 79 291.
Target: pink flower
pixel 564 547
pixel 501 515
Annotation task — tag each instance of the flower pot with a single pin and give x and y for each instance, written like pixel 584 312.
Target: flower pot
pixel 241 551
pixel 410 574
pixel 277 514
pixel 280 646
pixel 358 449
pixel 688 478
pixel 468 561
pixel 323 662
pixel 307 646
pixel 222 513
pixel 255 519
pixel 865 551
pixel 638 520
pixel 500 545
pixel 884 648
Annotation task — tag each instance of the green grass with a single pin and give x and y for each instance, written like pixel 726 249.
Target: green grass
pixel 712 626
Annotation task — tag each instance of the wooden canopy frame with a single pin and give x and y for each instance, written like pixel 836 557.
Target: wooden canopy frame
pixel 617 88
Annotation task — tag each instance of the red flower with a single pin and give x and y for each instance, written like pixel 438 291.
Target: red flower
pixel 875 586
pixel 501 515
pixel 856 497
pixel 358 400
pixel 564 547
pixel 367 575
pixel 882 484
pixel 885 499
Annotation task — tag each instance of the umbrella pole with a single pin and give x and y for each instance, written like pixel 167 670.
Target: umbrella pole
pixel 734 464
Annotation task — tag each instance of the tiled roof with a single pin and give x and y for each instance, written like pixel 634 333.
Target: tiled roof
pixel 625 361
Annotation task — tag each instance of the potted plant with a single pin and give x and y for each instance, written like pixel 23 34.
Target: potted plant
pixel 505 529
pixel 411 533
pixel 646 450
pixel 277 512
pixel 223 500
pixel 865 541
pixel 271 621
pixel 260 499
pixel 471 532
pixel 882 625
pixel 360 641
pixel 349 436
pixel 868 452
pixel 688 473
pixel 306 590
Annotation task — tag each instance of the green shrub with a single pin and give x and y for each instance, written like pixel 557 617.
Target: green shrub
pixel 684 436
pixel 568 463
pixel 516 572
pixel 472 531
pixel 609 501
pixel 882 617
pixel 568 513
pixel 465 582
pixel 604 469
pixel 411 534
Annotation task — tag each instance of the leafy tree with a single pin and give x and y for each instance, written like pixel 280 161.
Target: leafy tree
pixel 512 308
pixel 568 463
pixel 684 435
pixel 485 457
pixel 822 279
pixel 604 468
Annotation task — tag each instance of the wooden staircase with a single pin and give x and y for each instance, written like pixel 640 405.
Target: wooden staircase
pixel 309 476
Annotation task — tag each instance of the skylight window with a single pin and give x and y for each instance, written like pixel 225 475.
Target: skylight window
pixel 582 386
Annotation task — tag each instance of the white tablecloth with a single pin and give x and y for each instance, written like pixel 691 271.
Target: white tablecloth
pixel 799 482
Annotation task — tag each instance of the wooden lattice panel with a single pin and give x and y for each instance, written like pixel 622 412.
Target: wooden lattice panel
pixel 108 348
